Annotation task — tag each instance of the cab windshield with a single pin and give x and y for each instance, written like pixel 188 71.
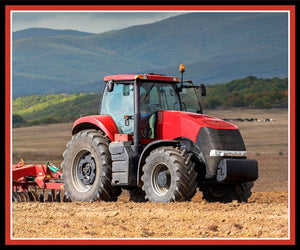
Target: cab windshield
pixel 190 100
pixel 158 96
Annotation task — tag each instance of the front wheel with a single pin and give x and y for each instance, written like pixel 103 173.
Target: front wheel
pixel 169 175
pixel 226 192
pixel 87 169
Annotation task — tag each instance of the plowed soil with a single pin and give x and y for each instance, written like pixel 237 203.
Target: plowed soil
pixel 266 215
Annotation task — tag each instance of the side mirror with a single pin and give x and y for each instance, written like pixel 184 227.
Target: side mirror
pixel 203 89
pixel 110 86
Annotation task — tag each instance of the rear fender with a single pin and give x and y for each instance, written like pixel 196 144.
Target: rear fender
pixel 102 122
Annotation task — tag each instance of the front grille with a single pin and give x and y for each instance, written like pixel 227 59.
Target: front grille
pixel 218 139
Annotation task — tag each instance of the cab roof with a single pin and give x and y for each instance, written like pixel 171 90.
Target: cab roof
pixel 149 76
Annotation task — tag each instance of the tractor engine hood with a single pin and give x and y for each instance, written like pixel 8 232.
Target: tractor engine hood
pixel 174 124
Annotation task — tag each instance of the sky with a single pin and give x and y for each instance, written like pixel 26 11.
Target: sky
pixel 94 22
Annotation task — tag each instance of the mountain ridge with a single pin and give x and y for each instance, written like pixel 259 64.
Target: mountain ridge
pixel 46 32
pixel 215 47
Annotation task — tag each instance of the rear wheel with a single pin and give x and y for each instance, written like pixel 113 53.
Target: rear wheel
pixel 87 168
pixel 169 175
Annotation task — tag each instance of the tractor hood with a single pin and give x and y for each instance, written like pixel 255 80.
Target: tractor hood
pixel 174 124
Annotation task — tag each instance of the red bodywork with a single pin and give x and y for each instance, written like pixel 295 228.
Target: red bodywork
pixel 175 124
pixel 170 125
pixel 25 176
pixel 152 77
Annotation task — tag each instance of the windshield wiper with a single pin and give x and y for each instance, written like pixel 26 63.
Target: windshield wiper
pixel 144 98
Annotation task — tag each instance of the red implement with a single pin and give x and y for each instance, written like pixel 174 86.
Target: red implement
pixel 42 176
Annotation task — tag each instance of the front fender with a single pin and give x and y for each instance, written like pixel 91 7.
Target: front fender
pixel 102 122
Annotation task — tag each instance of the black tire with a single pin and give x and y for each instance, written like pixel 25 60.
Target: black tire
pixel 137 195
pixel 217 192
pixel 242 191
pixel 87 168
pixel 169 176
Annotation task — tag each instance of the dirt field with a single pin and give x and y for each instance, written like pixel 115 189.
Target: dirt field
pixel 264 216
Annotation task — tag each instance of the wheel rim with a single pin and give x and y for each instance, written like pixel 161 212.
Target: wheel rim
pixel 84 171
pixel 161 179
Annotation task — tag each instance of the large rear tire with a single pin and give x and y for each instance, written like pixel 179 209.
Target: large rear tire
pixel 87 168
pixel 169 175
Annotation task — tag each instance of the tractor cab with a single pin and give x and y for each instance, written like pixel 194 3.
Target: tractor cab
pixel 153 93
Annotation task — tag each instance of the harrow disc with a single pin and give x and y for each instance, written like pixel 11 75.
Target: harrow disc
pixel 15 197
pixel 50 197
pixel 26 196
pixel 66 198
pixel 33 196
pixel 19 197
pixel 57 196
pixel 42 197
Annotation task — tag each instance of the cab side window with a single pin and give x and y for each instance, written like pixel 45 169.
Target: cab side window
pixel 119 103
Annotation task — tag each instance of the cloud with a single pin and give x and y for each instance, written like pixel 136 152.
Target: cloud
pixel 94 22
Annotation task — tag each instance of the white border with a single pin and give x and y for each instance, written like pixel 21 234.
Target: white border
pixel 133 11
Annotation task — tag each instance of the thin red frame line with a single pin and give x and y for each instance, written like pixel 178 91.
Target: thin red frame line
pixel 151 7
pixel 290 8
pixel 113 241
pixel 292 92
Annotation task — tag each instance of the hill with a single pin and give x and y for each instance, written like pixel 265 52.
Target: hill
pixel 44 32
pixel 215 47
pixel 50 108
pixel 251 92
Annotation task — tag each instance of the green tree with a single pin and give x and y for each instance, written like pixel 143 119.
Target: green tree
pixel 213 103
pixel 262 103
pixel 236 100
pixel 18 119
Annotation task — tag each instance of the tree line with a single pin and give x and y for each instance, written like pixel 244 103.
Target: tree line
pixel 249 92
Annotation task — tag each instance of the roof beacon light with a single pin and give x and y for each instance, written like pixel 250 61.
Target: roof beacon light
pixel 181 68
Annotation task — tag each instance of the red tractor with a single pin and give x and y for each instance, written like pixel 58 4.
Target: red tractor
pixel 152 139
